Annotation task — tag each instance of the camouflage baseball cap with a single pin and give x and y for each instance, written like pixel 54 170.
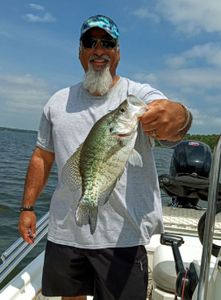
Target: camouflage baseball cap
pixel 102 22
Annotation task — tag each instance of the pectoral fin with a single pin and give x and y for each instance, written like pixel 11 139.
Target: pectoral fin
pixel 135 159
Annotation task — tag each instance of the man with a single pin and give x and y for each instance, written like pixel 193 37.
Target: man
pixel 111 263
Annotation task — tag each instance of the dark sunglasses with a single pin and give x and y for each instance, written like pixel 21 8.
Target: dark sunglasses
pixel 89 42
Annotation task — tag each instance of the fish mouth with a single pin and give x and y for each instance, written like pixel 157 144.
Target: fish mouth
pixel 122 135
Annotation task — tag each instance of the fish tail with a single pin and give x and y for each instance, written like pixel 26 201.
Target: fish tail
pixel 87 215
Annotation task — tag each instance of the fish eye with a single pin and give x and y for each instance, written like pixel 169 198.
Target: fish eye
pixel 111 129
pixel 122 110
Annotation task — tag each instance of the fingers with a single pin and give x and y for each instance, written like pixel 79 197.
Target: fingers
pixel 28 236
pixel 150 123
pixel 27 226
pixel 163 120
pixel 150 116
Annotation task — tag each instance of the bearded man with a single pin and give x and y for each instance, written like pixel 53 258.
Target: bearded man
pixel 111 263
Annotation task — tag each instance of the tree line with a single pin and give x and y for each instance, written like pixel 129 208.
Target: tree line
pixel 210 139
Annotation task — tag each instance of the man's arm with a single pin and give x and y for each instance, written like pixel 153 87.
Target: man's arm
pixel 37 175
pixel 166 120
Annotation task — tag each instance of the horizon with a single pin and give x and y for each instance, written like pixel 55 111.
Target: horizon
pixel 36 131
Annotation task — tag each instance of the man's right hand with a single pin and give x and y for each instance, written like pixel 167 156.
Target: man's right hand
pixel 27 226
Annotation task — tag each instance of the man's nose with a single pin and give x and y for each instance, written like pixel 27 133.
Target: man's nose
pixel 98 48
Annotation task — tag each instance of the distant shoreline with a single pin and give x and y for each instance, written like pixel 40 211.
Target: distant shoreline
pixel 17 129
pixel 209 139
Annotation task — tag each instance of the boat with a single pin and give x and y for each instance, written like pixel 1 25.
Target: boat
pixel 183 263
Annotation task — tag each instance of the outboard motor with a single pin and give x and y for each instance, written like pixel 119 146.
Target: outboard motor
pixel 189 172
pixel 191 157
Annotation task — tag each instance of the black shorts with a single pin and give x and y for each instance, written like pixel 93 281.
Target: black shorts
pixel 108 274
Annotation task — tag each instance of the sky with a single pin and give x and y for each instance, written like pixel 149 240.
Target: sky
pixel 174 45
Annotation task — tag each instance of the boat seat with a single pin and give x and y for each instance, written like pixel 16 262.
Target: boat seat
pixel 164 273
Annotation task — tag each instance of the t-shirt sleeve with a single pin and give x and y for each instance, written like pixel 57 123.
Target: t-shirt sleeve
pixel 148 94
pixel 144 91
pixel 44 137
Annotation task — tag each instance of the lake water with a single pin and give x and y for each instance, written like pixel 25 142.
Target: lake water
pixel 16 148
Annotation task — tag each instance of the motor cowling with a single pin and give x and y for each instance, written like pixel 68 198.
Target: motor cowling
pixel 191 157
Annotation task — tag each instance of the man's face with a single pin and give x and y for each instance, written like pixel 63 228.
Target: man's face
pixel 99 57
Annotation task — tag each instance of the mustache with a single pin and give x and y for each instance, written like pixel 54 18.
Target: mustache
pixel 104 57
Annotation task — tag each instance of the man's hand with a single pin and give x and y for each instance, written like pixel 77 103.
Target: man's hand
pixel 27 226
pixel 164 120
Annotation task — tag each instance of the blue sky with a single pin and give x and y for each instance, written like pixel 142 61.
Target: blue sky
pixel 174 45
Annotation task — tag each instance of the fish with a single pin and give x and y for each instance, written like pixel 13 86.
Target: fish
pixel 100 160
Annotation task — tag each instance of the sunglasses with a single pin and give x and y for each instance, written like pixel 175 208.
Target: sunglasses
pixel 89 42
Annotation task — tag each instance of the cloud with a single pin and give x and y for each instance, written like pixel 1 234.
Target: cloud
pixel 192 17
pixel 186 79
pixel 144 13
pixel 199 88
pixel 209 54
pixel 40 15
pixel 205 78
pixel 5 34
pixel 143 77
pixel 36 6
pixel 200 119
pixel 45 18
pixel 196 70
pixel 23 93
pixel 188 16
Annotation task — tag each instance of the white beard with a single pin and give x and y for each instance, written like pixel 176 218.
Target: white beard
pixel 98 82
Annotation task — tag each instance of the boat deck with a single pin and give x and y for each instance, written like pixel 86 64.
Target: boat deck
pixel 185 221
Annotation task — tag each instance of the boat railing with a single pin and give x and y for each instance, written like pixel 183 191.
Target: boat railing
pixel 11 257
pixel 209 223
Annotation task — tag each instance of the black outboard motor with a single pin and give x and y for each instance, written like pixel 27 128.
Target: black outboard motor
pixel 194 158
pixel 191 157
pixel 189 172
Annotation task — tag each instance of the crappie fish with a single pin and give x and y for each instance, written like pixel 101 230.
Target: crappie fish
pixel 100 161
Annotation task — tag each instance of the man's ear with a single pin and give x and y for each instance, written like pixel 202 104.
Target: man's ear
pixel 118 52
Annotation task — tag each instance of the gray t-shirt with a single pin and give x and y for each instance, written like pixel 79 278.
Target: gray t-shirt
pixel 133 213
